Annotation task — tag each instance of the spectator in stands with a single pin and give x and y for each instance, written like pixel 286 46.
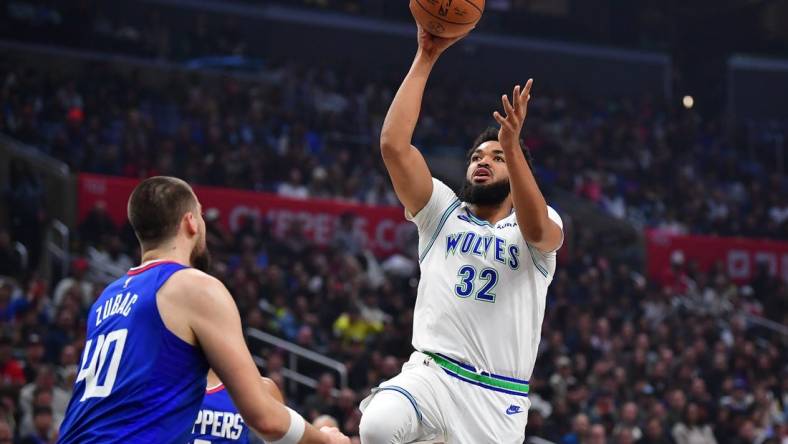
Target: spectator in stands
pixel 628 422
pixel 42 398
pixel 108 260
pixel 347 238
pixel 654 433
pixel 34 356
pixel 623 436
pixel 321 401
pixel 346 407
pixel 77 282
pixel 692 429
pixel 740 401
pixel 8 301
pixel 597 434
pixel 97 224
pixel 68 366
pixel 12 375
pixel 351 326
pixel 294 187
pixel 43 392
pixel 580 430
pixel 44 431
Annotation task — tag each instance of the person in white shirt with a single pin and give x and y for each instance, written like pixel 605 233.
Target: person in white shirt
pixel 487 257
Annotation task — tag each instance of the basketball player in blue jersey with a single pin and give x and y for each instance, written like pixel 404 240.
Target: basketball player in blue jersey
pixel 153 334
pixel 218 420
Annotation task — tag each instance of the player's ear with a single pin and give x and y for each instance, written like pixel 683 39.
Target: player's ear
pixel 191 223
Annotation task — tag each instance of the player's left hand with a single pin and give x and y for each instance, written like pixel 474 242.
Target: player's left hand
pixel 516 110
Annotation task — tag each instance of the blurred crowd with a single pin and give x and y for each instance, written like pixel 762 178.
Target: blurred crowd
pixel 312 132
pixel 110 26
pixel 99 25
pixel 622 359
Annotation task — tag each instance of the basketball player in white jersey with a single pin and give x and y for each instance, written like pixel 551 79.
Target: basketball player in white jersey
pixel 486 258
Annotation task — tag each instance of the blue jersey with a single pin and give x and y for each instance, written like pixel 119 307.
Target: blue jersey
pixel 138 382
pixel 218 421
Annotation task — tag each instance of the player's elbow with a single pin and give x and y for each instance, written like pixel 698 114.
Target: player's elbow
pixel 390 147
pixel 272 389
pixel 387 148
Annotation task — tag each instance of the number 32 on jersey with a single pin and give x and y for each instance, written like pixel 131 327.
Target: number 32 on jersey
pixel 471 279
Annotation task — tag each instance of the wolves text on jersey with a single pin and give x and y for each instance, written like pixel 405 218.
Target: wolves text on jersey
pixel 470 243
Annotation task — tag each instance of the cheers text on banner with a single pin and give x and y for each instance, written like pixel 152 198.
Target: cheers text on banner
pixel 385 228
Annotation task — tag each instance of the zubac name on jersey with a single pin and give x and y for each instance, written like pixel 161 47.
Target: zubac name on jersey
pixel 121 304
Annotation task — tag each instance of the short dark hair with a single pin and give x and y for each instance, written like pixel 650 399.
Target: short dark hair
pixel 156 207
pixel 491 133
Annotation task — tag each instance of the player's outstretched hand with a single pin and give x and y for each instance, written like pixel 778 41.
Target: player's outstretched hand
pixel 335 435
pixel 433 46
pixel 516 110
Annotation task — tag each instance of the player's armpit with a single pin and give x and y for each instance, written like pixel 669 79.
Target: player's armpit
pixel 551 238
pixel 410 176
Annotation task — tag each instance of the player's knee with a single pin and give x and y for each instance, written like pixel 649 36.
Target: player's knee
pixel 388 419
pixel 375 428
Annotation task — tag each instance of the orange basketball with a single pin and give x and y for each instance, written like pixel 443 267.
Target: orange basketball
pixel 447 18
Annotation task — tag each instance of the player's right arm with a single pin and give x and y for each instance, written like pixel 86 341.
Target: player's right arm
pixel 408 170
pixel 273 390
pixel 207 308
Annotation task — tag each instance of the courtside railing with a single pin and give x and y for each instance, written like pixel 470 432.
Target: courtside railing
pixel 59 199
pixel 57 242
pixel 296 352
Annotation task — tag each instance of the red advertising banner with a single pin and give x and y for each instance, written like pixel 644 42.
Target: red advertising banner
pixel 385 228
pixel 739 256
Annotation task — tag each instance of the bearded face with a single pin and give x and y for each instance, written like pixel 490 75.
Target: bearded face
pixel 200 257
pixel 485 194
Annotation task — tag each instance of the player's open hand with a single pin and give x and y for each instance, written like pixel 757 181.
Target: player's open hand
pixel 433 46
pixel 516 110
pixel 335 436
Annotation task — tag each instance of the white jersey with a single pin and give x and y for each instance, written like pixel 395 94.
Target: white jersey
pixel 481 297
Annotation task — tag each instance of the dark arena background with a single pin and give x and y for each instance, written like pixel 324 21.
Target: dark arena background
pixel 657 130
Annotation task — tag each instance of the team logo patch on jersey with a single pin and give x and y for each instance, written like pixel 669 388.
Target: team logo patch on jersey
pixel 514 409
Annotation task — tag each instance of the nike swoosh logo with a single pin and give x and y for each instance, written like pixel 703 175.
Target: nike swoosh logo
pixel 513 410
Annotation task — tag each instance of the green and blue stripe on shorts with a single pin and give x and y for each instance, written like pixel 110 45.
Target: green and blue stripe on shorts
pixel 490 381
